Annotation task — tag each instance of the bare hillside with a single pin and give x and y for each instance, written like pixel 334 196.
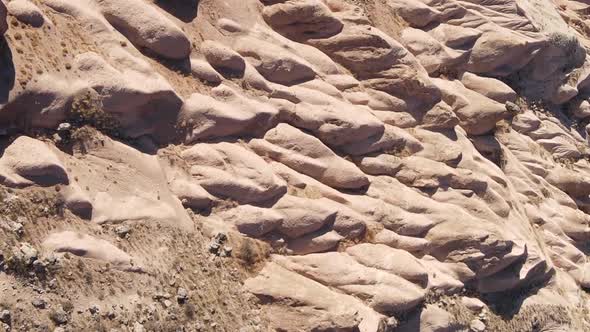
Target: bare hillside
pixel 294 165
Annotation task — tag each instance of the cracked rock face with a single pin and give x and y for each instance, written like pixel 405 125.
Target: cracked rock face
pixel 399 165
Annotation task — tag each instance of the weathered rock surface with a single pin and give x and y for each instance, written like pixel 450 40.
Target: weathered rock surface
pixel 372 166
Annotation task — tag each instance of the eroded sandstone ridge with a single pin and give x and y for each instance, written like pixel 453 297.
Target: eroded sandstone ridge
pixel 369 165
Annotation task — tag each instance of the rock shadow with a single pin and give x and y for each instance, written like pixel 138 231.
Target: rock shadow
pixel 7 71
pixel 184 10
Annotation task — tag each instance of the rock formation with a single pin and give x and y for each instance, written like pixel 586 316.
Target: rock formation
pixel 361 165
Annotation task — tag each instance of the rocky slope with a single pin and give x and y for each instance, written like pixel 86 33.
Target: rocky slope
pixel 299 165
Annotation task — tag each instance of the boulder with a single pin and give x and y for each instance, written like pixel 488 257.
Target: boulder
pixel 146 27
pixel 276 283
pixel 423 173
pixel 223 58
pixel 500 53
pixel 228 114
pixel 229 170
pixel 392 138
pixel 431 53
pixel 77 201
pixel 313 243
pixel 44 102
pixel 135 96
pixel 306 154
pixel 87 246
pixel 472 303
pixel 384 291
pixel 302 216
pixel 364 50
pixel 26 12
pixel 204 71
pixel 573 183
pixel 34 162
pixel 274 62
pixel 190 194
pixel 229 25
pixel 477 113
pixel 302 20
pixel 455 36
pixel 439 117
pixel 396 261
pixel 489 87
pixel 253 221
pixel 580 109
pixel 415 12
pixel 335 123
pixel 430 319
pixel 410 244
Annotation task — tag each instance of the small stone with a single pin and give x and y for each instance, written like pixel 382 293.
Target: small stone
pixel 122 231
pixel 137 327
pixel 110 314
pixel 64 126
pixel 17 228
pixel 220 237
pixel 214 247
pixel 59 316
pixel 152 309
pixel 27 254
pixel 477 326
pixel 473 303
pixel 226 252
pixel 56 138
pixel 182 295
pixel 39 303
pixel 39 266
pixel 391 323
pixel 52 283
pixel 512 107
pixel 5 316
pixel 94 309
pixel 160 296
pixel 167 303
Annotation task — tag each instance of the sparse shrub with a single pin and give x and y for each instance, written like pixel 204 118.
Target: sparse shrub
pixel 574 53
pixel 88 278
pixel 67 305
pixel 87 110
pixel 190 311
pixel 247 252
